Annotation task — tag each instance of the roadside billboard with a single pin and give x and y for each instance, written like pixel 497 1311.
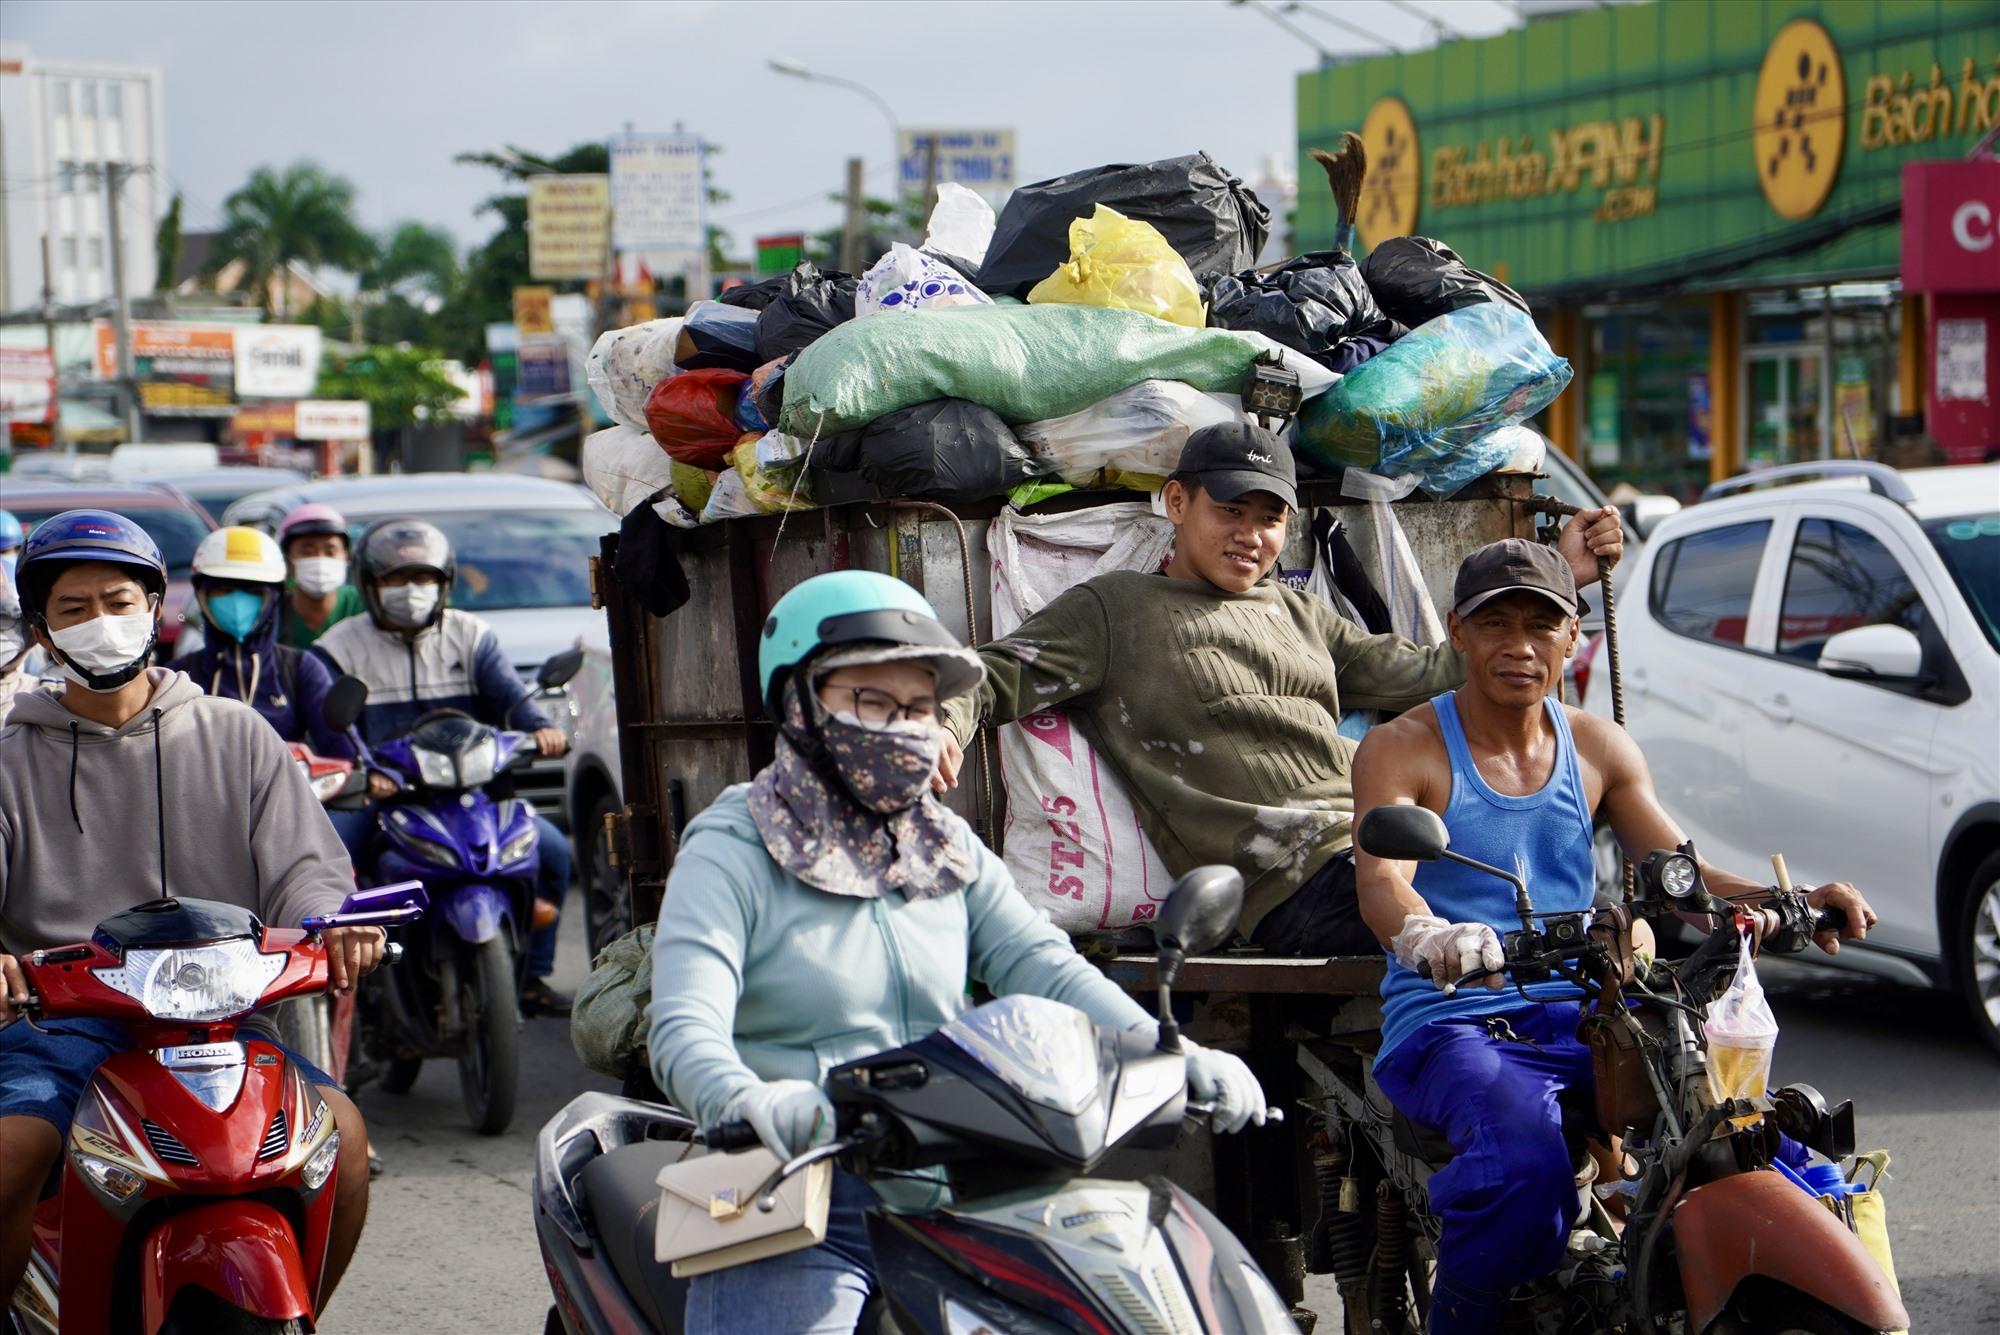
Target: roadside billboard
pixel 183 370
pixel 976 159
pixel 276 361
pixel 656 192
pixel 27 385
pixel 569 226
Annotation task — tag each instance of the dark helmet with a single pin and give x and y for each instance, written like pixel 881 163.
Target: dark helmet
pixel 75 536
pixel 395 545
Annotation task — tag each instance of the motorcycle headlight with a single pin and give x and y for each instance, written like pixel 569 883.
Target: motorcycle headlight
pixel 476 762
pixel 320 1166
pixel 519 846
pixel 433 851
pixel 328 786
pixel 114 1180
pixel 435 768
pixel 195 983
pixel 1678 874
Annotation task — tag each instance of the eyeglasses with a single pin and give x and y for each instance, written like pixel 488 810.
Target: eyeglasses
pixel 879 708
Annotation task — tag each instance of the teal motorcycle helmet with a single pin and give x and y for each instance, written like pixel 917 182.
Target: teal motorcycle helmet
pixel 859 608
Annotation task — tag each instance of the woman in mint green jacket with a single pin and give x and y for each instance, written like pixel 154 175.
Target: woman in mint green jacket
pixel 832 908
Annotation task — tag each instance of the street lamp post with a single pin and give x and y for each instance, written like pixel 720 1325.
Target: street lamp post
pixel 793 69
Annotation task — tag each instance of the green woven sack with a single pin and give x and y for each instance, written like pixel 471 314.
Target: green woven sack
pixel 607 1023
pixel 1026 363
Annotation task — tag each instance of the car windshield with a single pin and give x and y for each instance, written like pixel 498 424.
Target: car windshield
pixel 177 531
pixel 522 558
pixel 1970 547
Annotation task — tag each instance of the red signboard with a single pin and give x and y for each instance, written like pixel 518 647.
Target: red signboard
pixel 1951 226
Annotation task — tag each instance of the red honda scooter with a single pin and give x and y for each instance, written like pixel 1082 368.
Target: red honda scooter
pixel 195 1192
pixel 321 1028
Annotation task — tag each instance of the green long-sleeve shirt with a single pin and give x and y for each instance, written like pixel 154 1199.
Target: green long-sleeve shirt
pixel 1219 710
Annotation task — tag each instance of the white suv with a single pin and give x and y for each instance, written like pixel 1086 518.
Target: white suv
pixel 1812 667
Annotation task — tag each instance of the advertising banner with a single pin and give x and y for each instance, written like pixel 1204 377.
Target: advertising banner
pixel 183 370
pixel 656 192
pixel 531 310
pixel 569 226
pixel 27 385
pixel 331 419
pixel 976 159
pixel 276 361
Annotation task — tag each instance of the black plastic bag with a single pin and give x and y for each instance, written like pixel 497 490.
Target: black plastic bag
pixel 945 450
pixel 812 303
pixel 1416 279
pixel 1312 303
pixel 1211 218
pixel 648 560
pixel 754 296
pixel 717 337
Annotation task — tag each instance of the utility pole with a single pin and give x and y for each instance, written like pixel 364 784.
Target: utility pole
pixel 121 314
pixel 856 221
pixel 929 200
pixel 49 333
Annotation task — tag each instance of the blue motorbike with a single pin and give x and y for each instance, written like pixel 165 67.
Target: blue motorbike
pixel 454 823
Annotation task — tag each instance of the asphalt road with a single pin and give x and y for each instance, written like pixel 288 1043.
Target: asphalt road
pixel 450 1245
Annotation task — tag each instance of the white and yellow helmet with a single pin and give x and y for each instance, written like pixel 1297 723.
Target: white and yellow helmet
pixel 241 554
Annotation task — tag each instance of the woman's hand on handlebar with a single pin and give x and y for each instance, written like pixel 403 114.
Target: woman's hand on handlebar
pixel 790 1116
pixel 13 988
pixel 1839 898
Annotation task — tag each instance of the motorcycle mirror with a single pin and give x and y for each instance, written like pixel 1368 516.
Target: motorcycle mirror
pixel 559 669
pixel 1200 911
pixel 381 906
pixel 342 708
pixel 1403 833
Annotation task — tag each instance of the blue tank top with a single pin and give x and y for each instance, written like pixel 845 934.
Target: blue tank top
pixel 1544 838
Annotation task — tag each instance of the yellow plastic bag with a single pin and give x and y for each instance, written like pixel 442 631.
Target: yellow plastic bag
pixel 1871 1223
pixel 1119 262
pixel 768 493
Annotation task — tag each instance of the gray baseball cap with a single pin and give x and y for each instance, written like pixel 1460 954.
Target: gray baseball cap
pixel 1513 565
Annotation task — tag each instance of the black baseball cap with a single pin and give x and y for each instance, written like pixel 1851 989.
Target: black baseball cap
pixel 1513 565
pixel 1234 459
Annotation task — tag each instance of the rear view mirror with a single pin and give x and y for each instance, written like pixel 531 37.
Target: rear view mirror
pixel 559 669
pixel 1646 512
pixel 342 707
pixel 1201 910
pixel 382 906
pixel 1403 833
pixel 1881 652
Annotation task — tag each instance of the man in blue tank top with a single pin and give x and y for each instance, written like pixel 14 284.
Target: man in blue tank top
pixel 1518 778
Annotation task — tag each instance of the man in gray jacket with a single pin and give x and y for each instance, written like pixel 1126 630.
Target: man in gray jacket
pixel 125 784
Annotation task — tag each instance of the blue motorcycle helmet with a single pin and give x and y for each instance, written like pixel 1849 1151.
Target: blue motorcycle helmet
pixel 859 607
pixel 11 538
pixel 77 537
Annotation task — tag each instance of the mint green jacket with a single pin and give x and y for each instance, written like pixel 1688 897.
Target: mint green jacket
pixel 759 976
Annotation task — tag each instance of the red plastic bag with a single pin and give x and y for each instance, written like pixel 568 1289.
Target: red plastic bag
pixel 693 416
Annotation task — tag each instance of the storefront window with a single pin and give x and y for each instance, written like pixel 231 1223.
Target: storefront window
pixel 1820 369
pixel 1647 400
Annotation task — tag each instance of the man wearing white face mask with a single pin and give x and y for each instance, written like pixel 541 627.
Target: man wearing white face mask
pixel 128 782
pixel 313 539
pixel 416 654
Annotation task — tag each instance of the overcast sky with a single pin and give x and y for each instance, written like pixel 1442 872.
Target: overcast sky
pixel 386 93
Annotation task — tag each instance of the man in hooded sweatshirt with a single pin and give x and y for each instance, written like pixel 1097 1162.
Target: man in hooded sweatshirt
pixel 87 776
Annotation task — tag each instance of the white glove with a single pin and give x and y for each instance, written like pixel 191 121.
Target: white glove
pixel 1452 949
pixel 790 1116
pixel 1223 1079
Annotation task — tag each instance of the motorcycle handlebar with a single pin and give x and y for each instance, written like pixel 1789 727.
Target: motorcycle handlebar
pixel 731 1137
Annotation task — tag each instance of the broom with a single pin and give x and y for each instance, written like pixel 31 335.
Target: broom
pixel 1346 168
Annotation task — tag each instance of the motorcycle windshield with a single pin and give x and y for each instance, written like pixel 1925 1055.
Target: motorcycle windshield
pixel 1041 1049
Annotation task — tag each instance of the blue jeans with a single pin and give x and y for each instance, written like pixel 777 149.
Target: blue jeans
pixel 1508 1196
pixel 817 1291
pixel 552 878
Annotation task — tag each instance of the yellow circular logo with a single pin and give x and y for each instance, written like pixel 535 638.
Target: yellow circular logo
pixel 1801 119
pixel 1395 183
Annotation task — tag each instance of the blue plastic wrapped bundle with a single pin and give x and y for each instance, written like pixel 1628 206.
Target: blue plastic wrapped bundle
pixel 1423 404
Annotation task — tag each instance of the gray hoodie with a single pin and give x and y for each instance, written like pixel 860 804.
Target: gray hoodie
pixel 81 820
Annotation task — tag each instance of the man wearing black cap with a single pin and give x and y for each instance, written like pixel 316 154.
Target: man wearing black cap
pixel 1215 691
pixel 1519 778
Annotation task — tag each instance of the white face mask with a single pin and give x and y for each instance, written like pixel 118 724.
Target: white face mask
pixel 410 605
pixel 319 575
pixel 105 646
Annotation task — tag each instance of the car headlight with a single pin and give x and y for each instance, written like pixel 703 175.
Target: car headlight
pixel 115 1180
pixel 435 768
pixel 195 983
pixel 329 785
pixel 320 1166
pixel 476 762
pixel 520 846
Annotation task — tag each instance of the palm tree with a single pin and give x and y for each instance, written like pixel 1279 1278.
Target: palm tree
pixel 300 214
pixel 410 258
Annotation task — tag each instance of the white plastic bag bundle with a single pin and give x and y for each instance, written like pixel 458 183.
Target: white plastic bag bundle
pixel 1137 431
pixel 961 227
pixel 1389 559
pixel 907 279
pixel 624 465
pixel 1742 1031
pixel 625 364
pixel 1072 837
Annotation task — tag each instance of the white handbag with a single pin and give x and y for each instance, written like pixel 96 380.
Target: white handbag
pixel 709 1218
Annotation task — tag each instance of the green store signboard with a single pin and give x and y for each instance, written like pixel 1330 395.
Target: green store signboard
pixel 1637 145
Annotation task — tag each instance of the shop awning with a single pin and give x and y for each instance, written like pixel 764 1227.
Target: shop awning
pixel 84 420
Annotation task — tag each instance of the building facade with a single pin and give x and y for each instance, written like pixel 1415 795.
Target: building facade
pixel 66 127
pixel 1701 200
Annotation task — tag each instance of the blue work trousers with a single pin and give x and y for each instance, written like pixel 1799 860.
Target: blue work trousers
pixel 1508 1196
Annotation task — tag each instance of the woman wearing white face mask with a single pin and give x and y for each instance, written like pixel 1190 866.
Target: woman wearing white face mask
pixel 313 538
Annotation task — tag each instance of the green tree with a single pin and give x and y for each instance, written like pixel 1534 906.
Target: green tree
pixel 300 214
pixel 401 384
pixel 167 246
